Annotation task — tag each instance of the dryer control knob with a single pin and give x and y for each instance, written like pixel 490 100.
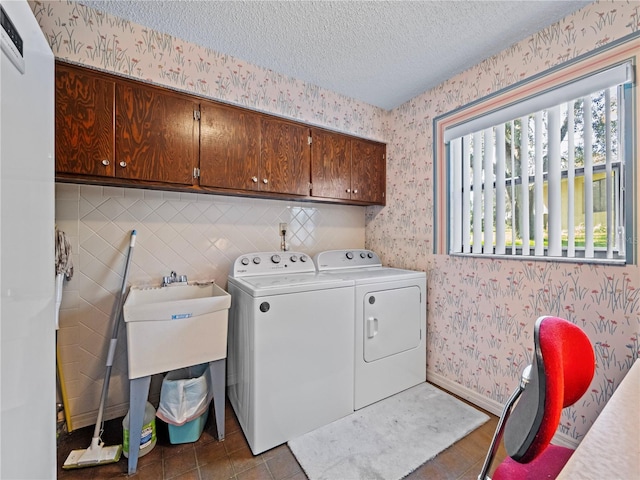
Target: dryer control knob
pixel 257 260
pixel 303 258
pixel 350 255
pixel 294 258
pixel 244 261
pixel 363 255
pixel 275 258
pixel 370 255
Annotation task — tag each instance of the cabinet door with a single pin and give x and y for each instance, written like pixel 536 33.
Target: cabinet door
pixel 229 147
pixel 284 157
pixel 84 122
pixel 156 135
pixel 368 171
pixel 330 164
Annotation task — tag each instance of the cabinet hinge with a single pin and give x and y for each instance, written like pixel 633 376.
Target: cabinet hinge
pixel 310 186
pixel 196 172
pixel 309 140
pixel 196 115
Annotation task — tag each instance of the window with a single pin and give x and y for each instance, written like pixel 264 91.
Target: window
pixel 600 195
pixel 545 176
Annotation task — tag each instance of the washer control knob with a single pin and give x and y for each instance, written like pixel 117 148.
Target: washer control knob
pixel 294 258
pixel 363 255
pixel 257 260
pixel 350 255
pixel 370 254
pixel 275 258
pixel 244 261
pixel 303 258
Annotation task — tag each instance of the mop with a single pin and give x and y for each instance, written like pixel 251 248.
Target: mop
pixel 97 453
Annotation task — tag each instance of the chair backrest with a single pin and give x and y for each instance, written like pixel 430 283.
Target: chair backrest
pixel 562 369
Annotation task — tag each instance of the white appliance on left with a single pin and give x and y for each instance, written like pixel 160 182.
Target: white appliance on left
pixel 27 249
pixel 290 347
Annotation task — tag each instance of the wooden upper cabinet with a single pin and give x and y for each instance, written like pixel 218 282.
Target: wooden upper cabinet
pixel 330 164
pixel 116 131
pixel 229 147
pixel 108 127
pixel 84 118
pixel 368 171
pixel 284 157
pixel 157 134
pixel 347 168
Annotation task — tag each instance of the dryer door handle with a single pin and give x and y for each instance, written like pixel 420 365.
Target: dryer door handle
pixel 372 327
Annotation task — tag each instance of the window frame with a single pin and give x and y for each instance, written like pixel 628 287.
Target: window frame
pixel 606 57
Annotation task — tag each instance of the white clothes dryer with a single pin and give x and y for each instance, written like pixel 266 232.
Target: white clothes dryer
pixel 290 347
pixel 390 323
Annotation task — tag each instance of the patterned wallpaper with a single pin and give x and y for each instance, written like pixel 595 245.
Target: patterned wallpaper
pixel 86 36
pixel 481 312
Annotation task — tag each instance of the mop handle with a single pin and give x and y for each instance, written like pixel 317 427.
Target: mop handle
pixel 120 305
pixel 116 316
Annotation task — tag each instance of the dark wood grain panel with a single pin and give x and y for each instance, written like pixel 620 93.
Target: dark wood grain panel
pixel 83 122
pixel 103 117
pixel 156 134
pixel 368 171
pixel 229 147
pixel 285 157
pixel 330 164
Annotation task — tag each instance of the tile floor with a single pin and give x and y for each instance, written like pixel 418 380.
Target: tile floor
pixel 208 459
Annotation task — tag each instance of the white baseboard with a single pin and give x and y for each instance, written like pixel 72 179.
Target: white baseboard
pixel 110 412
pixel 485 403
pixel 89 418
pixel 565 441
pixel 489 405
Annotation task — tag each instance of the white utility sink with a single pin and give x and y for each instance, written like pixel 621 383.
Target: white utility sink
pixel 175 326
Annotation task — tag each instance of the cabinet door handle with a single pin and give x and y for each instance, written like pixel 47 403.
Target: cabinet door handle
pixel 355 191
pixel 265 181
pixel 254 179
pixel 348 190
pixel 123 164
pixel 105 162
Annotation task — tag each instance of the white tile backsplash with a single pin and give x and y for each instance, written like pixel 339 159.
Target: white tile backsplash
pixel 193 234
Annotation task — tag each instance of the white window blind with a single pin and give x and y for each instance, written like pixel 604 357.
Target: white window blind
pixel 523 178
pixel 617 75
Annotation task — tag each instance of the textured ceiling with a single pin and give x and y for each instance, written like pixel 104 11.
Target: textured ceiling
pixel 380 52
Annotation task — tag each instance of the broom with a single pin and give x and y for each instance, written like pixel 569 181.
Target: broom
pixel 64 269
pixel 97 453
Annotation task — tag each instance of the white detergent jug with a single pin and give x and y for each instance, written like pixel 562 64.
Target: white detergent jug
pixel 148 435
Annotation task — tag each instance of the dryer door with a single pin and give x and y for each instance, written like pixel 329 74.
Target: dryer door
pixel 391 322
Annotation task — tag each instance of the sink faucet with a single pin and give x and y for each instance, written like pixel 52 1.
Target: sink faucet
pixel 173 278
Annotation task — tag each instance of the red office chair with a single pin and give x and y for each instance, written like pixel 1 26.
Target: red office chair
pixel 562 369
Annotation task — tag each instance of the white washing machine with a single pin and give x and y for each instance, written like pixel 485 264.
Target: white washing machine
pixel 290 347
pixel 390 323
